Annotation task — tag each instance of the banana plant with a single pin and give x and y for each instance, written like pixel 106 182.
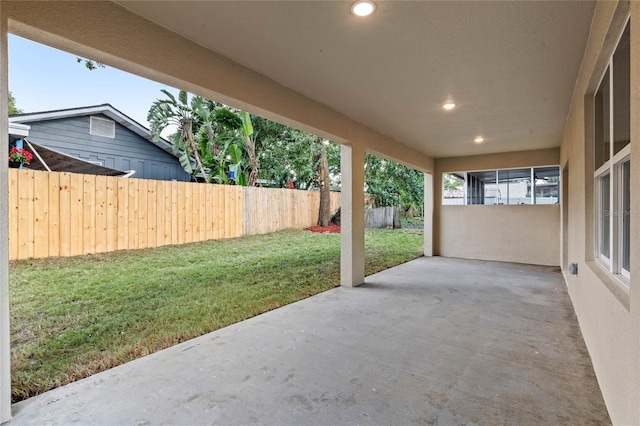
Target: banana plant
pixel 182 114
pixel 250 146
pixel 227 160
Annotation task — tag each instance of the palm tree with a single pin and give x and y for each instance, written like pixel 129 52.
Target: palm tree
pixel 185 116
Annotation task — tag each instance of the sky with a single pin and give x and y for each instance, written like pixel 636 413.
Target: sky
pixel 42 78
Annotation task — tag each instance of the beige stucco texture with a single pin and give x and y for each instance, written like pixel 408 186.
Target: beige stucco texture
pixel 519 233
pixel 509 233
pixel 608 309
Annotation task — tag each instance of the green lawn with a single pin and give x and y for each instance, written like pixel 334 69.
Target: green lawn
pixel 73 317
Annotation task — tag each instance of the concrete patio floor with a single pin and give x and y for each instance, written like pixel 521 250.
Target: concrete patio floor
pixel 433 341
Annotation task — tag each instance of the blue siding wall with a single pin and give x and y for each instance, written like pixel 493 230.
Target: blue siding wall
pixel 127 151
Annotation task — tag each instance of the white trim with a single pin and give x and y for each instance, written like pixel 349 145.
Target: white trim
pixel 35 152
pixel 619 216
pixel 464 188
pixel 622 155
pixel 602 170
pixel 17 129
pixel 613 168
pixel 505 168
pixel 599 219
pixel 498 196
pixel 533 185
pixel 626 275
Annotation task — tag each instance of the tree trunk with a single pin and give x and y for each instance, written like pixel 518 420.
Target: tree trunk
pixel 187 134
pixel 197 157
pixel 253 159
pixel 324 215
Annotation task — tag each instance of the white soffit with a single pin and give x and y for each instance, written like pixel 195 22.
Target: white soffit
pixel 509 66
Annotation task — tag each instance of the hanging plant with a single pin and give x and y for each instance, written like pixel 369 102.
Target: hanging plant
pixel 20 157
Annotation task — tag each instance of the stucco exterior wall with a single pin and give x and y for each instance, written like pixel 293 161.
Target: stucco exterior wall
pixel 510 233
pixel 607 310
pixel 518 233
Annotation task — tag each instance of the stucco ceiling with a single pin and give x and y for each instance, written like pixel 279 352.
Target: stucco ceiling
pixel 510 66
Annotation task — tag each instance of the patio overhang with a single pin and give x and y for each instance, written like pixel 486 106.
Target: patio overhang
pixel 510 67
pixel 374 85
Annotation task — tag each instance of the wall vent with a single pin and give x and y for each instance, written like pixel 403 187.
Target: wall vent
pixel 102 127
pixel 573 268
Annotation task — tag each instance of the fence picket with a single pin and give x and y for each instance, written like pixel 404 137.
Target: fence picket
pixel 143 189
pixel 41 215
pixel 68 214
pixel 14 235
pixel 100 228
pixel 159 220
pixel 111 212
pixel 151 213
pixel 89 214
pixel 65 214
pixel 132 213
pixel 122 196
pixel 174 212
pixel 54 214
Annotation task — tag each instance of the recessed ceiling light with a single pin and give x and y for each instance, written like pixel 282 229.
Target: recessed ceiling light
pixel 363 8
pixel 449 105
pixel 478 139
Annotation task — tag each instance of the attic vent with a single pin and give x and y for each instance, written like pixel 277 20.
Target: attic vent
pixel 102 127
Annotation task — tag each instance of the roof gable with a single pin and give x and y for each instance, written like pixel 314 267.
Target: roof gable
pixel 104 109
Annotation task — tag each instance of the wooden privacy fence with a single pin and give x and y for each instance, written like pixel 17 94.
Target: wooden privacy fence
pixel 269 210
pixel 382 217
pixel 68 214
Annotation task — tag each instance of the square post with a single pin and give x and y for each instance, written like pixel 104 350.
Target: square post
pixel 428 214
pixel 352 216
pixel 5 341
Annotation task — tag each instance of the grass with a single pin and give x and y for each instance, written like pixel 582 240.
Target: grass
pixel 412 222
pixel 73 317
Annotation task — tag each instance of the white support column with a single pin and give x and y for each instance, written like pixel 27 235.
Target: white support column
pixel 428 214
pixel 352 216
pixel 5 341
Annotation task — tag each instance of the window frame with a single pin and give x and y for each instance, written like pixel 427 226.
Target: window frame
pixel 614 168
pixel 533 198
pixel 618 197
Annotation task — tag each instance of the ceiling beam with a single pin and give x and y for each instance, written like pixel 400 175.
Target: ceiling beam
pixel 111 34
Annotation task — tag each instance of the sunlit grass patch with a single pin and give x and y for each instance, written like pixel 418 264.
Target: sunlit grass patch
pixel 73 317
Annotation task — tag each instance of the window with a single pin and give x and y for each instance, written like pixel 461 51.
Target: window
pixel 546 185
pixel 612 153
pixel 531 185
pixel 453 189
pixel 102 127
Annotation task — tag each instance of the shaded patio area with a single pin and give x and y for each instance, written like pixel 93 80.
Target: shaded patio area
pixel 433 341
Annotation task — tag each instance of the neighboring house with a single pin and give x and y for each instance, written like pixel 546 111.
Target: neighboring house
pixel 46 159
pixel 103 136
